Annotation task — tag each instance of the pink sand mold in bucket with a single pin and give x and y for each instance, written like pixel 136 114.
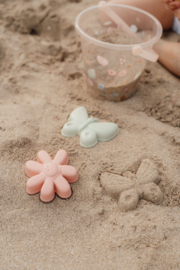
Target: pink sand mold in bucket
pixel 49 176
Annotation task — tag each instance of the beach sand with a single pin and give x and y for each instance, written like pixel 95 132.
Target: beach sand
pixel 41 83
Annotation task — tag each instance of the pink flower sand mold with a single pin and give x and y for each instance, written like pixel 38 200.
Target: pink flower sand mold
pixel 50 176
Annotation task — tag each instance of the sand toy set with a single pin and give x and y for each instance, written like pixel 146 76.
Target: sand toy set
pixel 116 41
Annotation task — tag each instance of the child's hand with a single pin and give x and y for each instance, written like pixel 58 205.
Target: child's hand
pixel 174 6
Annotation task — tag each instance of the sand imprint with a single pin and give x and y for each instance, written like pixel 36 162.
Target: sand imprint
pixel 130 188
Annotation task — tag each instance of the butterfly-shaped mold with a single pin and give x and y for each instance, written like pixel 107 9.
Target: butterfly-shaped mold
pixel 89 129
pixel 130 188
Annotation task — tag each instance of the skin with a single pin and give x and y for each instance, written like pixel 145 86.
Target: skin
pixel 155 7
pixel 164 11
pixel 173 6
pixel 169 55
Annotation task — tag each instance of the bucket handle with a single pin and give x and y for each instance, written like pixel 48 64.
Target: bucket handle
pixel 148 54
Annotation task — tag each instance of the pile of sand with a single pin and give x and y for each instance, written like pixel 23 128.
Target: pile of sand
pixel 40 84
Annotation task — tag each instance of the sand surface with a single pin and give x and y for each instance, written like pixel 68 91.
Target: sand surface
pixel 41 83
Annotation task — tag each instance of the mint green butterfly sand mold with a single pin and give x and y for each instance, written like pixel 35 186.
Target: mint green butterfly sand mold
pixel 89 129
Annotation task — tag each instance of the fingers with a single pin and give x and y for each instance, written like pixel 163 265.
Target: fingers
pixel 171 5
pixel 174 5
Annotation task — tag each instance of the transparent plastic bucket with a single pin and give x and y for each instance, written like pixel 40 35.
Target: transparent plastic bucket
pixel 112 71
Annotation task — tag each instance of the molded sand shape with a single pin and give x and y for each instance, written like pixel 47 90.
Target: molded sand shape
pixel 131 188
pixel 89 129
pixel 50 176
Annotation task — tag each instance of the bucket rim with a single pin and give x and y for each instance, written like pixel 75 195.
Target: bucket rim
pixel 144 45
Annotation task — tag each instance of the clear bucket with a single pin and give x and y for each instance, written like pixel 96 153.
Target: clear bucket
pixel 114 60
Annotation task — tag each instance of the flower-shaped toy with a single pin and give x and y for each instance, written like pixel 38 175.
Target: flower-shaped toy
pixel 50 176
pixel 130 188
